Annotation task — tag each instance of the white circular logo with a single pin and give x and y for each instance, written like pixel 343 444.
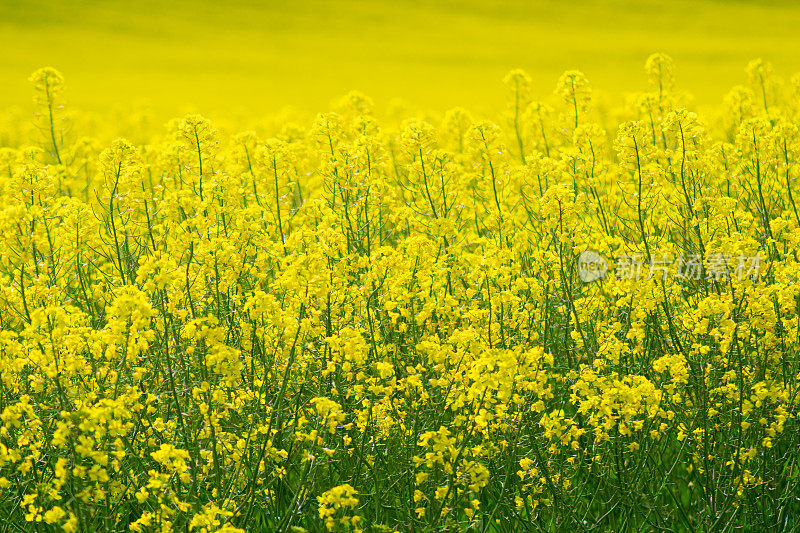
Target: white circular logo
pixel 591 266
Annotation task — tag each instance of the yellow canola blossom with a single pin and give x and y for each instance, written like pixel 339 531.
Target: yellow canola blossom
pixel 569 316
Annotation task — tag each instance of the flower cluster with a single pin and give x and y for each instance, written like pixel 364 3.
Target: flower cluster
pixel 343 323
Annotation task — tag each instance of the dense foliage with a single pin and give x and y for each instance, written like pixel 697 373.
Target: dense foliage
pixel 353 325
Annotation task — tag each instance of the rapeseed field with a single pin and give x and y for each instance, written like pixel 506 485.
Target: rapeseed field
pixel 564 310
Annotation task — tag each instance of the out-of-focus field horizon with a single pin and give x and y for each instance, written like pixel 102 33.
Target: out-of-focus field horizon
pixel 261 57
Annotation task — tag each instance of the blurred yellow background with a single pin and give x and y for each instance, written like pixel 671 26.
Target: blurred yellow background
pixel 262 56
